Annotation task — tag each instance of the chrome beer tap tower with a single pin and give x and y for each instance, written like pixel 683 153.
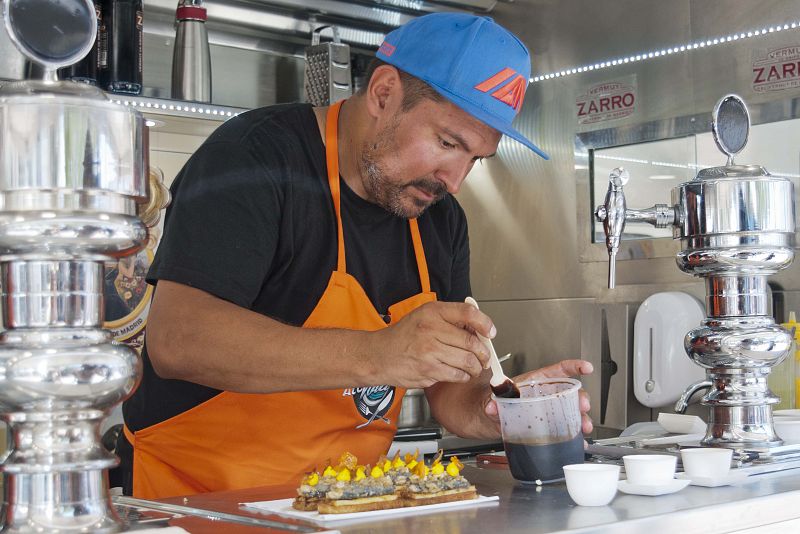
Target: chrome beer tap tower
pixel 72 168
pixel 736 224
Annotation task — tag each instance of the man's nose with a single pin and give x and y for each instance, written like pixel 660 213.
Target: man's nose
pixel 453 174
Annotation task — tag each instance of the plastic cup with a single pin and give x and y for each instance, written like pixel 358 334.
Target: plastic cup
pixel 542 429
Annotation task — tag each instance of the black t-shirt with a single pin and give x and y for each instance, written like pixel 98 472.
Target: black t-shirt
pixel 252 222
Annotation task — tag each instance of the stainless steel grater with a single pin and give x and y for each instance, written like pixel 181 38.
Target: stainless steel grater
pixel 327 74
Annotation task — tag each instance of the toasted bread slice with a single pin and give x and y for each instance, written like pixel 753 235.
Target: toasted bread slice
pixel 364 504
pixel 305 504
pixel 419 499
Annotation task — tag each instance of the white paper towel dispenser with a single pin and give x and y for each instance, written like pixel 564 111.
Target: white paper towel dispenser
pixel 661 368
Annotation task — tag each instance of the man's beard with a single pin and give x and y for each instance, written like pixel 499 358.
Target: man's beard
pixel 379 185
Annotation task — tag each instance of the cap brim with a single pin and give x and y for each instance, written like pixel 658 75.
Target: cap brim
pixel 489 119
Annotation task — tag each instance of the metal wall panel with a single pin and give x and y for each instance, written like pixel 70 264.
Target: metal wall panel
pixel 536 332
pixel 528 237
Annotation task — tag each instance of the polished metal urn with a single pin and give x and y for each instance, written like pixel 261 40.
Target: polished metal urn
pixel 736 224
pixel 72 169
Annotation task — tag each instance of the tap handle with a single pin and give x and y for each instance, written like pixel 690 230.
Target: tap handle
pixel 612 215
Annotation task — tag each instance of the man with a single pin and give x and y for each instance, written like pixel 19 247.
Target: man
pixel 341 221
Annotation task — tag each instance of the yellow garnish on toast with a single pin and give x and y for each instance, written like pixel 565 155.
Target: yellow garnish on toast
pixel 398 462
pixel 454 467
pixel 313 479
pixel 344 475
pixel 348 460
pixel 376 472
pixel 421 470
pixel 329 472
pixel 360 472
pixel 411 457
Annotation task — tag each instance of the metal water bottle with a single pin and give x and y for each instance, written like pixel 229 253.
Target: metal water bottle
pixel 191 60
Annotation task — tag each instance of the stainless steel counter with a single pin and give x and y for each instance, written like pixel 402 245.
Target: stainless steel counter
pixel 548 509
pixel 767 499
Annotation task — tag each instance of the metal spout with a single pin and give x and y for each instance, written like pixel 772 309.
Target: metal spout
pixel 614 213
pixel 683 402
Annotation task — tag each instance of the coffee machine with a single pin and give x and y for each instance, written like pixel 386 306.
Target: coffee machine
pixel 72 169
pixel 736 225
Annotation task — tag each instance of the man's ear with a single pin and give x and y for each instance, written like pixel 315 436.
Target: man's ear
pixel 384 92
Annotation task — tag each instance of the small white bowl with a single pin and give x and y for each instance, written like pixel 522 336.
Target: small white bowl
pixel 706 462
pixel 649 469
pixel 592 484
pixel 678 423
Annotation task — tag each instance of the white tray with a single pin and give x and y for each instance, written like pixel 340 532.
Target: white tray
pixel 283 507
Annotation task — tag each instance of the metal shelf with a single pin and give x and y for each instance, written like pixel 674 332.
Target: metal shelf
pixel 177 108
pixel 178 116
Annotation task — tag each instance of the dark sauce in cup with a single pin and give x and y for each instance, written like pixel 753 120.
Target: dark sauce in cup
pixel 544 462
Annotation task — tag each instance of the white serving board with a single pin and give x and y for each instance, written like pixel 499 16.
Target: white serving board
pixel 283 507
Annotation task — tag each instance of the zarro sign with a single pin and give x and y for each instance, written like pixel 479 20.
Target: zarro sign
pixel 606 101
pixel 779 69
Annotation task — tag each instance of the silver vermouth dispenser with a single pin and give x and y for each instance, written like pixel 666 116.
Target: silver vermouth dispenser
pixel 72 167
pixel 736 224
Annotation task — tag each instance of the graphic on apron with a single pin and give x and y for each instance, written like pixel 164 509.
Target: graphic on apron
pixel 373 403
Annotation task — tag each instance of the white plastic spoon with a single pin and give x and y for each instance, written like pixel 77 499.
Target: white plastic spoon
pixel 501 385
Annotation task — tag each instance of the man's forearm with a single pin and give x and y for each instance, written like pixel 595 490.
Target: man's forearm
pixel 228 347
pixel 460 407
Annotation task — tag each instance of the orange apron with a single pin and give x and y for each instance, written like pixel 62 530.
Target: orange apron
pixel 237 440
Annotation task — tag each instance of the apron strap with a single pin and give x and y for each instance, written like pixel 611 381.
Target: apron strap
pixel 419 252
pixel 332 160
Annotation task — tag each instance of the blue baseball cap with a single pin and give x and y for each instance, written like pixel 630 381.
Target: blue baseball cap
pixel 472 61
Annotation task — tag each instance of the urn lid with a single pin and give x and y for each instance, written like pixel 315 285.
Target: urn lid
pixel 52 34
pixel 730 126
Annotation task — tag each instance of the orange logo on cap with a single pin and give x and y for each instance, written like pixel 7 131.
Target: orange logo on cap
pixel 386 49
pixel 511 93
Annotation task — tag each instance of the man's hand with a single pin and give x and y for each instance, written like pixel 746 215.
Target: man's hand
pixel 564 368
pixel 434 343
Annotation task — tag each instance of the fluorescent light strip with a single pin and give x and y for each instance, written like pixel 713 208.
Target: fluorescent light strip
pixel 665 51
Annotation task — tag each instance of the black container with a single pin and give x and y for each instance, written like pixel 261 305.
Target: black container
pixel 86 69
pixel 123 23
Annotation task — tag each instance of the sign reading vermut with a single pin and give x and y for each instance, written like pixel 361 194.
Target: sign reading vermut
pixel 777 70
pixel 607 101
